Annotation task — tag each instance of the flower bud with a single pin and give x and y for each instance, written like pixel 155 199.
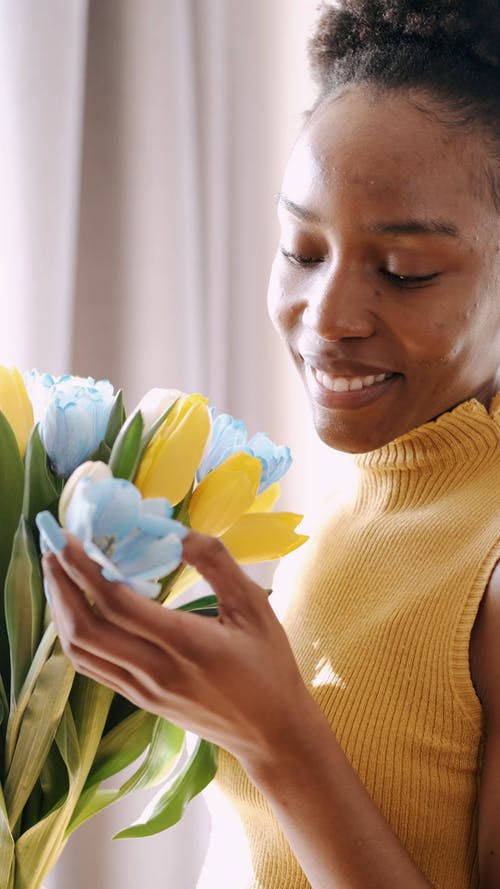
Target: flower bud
pixel 73 413
pixel 171 459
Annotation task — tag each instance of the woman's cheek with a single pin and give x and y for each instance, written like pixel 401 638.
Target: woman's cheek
pixel 282 307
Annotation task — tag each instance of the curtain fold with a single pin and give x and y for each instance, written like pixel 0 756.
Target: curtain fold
pixel 142 142
pixel 42 68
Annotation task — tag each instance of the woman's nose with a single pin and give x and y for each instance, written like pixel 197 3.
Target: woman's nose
pixel 339 304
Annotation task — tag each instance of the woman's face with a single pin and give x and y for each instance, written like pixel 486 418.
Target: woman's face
pixel 386 284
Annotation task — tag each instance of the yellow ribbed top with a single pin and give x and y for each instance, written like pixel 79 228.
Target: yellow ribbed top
pixel 380 623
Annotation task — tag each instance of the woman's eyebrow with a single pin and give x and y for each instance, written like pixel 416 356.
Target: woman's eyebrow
pixel 403 227
pixel 417 227
pixel 297 209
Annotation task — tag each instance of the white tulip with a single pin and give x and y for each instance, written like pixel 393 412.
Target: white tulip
pixel 95 470
pixel 154 403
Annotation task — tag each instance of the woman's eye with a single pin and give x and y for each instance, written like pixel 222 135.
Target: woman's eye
pixel 299 259
pixel 408 281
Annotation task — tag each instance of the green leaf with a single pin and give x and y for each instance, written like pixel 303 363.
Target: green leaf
pixel 24 606
pixel 122 746
pixel 77 738
pixel 126 452
pixel 11 498
pixel 40 845
pixel 17 713
pixel 54 779
pixel 4 705
pixel 90 703
pixel 120 709
pixel 91 802
pixel 169 805
pixel 154 428
pixel 117 750
pixel 38 849
pixel 42 488
pixel 6 842
pixel 37 731
pixel 207 606
pixel 102 453
pixel 130 444
pixel 165 743
pixel 116 420
pixel 32 808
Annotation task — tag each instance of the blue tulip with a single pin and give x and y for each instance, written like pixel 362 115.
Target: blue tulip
pixel 72 413
pixel 230 435
pixel 275 459
pixel 135 541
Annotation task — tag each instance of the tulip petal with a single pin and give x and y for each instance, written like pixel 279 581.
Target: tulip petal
pixel 115 506
pixel 15 404
pixel 155 403
pixel 225 494
pixel 142 557
pixel 259 537
pixel 157 506
pixel 188 577
pixel 169 464
pixel 276 459
pixel 227 436
pixel 154 525
pixel 265 501
pixel 93 470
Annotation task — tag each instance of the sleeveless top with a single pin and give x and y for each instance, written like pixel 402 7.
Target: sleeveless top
pixel 380 623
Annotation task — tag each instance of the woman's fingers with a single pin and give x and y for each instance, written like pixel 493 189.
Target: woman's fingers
pixel 81 628
pixel 238 595
pixel 117 602
pixel 132 666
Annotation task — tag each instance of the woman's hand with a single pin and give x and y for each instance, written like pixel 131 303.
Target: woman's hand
pixel 234 681
pixel 231 679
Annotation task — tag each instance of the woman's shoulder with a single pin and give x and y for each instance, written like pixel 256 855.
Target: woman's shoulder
pixel 485 648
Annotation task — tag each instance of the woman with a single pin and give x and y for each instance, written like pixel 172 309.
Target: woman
pixel 363 742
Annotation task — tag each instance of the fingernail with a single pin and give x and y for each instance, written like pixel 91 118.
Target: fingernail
pixel 50 532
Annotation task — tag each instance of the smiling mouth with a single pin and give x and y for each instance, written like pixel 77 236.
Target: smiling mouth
pixel 339 383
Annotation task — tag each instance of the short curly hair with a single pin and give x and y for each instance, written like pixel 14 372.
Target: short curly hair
pixel 448 48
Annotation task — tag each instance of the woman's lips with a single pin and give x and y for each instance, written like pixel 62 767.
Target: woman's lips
pixel 347 391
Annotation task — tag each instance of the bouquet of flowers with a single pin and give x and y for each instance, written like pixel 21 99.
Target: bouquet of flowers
pixel 128 488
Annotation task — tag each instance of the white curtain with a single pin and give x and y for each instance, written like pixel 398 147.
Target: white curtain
pixel 141 144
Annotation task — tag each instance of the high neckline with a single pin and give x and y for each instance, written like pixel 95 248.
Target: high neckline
pixel 465 435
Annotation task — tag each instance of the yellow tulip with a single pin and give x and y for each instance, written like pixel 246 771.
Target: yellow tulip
pixel 225 494
pixel 259 537
pixel 188 577
pixel 173 455
pixel 154 403
pixel 264 502
pixel 15 405
pixel 254 537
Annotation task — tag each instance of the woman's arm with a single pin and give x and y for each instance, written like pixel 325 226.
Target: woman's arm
pixel 234 681
pixel 485 669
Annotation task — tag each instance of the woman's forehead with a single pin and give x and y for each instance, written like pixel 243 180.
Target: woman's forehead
pixel 384 151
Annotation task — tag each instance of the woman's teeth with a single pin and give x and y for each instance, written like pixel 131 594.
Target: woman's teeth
pixel 351 384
